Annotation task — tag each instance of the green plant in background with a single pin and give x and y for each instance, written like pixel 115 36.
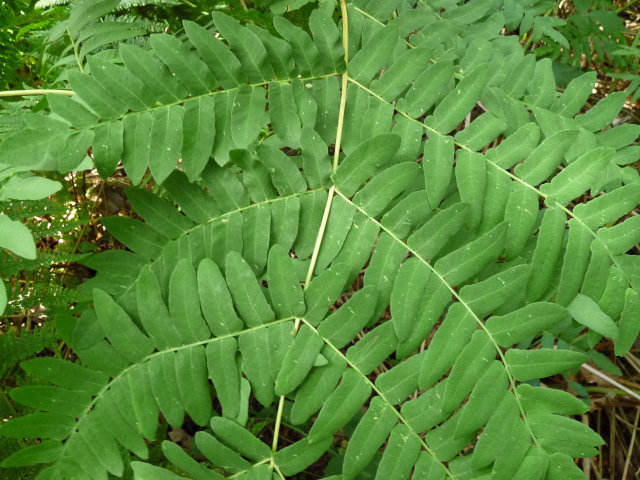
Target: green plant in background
pixel 13 349
pixel 590 28
pixel 49 36
pixel 28 197
pixel 593 30
pixel 36 209
pixel 89 28
pixel 378 236
pixel 632 55
pixel 44 282
pixel 581 34
pixel 19 184
pixel 94 27
pixel 19 21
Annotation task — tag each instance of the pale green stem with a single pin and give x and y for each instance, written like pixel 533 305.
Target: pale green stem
pixel 276 430
pixel 279 472
pixel 345 30
pixel 343 88
pixel 323 225
pixel 24 93
pixel 343 103
pixel 243 472
pixel 75 52
pixel 607 390
pixel 327 207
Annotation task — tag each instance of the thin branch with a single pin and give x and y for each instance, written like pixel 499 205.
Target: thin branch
pixel 327 207
pixel 276 430
pixel 24 93
pixel 631 445
pixel 611 381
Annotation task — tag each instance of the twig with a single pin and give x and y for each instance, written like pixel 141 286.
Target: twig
pixel 276 430
pixel 631 443
pixel 610 380
pixel 624 7
pixel 612 443
pixel 23 93
pixel 586 462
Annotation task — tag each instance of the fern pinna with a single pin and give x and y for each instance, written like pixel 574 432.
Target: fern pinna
pixel 338 250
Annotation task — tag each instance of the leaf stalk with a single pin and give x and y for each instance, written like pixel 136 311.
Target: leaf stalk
pixel 24 93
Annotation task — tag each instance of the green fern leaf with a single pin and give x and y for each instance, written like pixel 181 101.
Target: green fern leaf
pixel 301 272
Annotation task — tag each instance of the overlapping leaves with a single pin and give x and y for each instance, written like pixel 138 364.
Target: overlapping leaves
pixel 416 286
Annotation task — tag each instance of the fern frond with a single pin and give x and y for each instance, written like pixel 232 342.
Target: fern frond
pixel 11 115
pixel 94 27
pixel 15 348
pixel 426 272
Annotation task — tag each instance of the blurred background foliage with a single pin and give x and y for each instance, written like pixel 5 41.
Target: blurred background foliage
pixel 22 28
pixel 579 35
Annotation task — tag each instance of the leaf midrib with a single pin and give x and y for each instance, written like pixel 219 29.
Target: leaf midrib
pixel 219 218
pixel 457 296
pixel 196 97
pixel 126 370
pixel 464 147
pixel 504 172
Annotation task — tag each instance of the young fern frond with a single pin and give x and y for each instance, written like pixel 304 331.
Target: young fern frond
pixel 94 27
pixel 247 275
